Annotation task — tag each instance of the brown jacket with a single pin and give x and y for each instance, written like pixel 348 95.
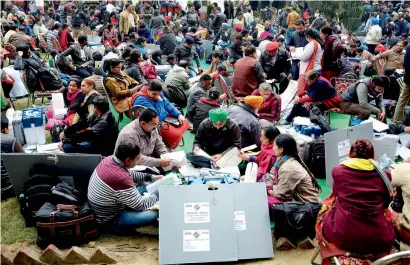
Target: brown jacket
pixel 118 91
pixel 19 38
pixel 294 182
pixel 151 145
pixel 394 60
pixel 291 20
pixel 366 56
pixel 124 22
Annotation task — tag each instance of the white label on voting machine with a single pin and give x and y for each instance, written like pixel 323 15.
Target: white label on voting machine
pixel 196 240
pixel 196 213
pixel 343 147
pixel 240 222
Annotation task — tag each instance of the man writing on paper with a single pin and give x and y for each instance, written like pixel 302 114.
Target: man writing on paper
pixel 144 131
pixel 217 134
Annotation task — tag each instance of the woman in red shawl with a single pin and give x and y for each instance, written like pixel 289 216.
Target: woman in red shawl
pixel 65 37
pixel 110 36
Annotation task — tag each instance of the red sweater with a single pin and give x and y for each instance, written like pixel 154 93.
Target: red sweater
pixel 270 109
pixel 265 160
pixel 357 222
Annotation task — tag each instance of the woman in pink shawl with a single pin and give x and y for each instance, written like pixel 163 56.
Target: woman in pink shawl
pixel 74 98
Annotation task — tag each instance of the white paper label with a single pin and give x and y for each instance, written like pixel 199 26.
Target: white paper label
pixel 196 213
pixel 196 240
pixel 240 222
pixel 343 147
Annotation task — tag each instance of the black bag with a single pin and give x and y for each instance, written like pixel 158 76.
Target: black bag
pixel 198 161
pixel 177 96
pixel 66 194
pixel 36 192
pixel 31 69
pixel 316 116
pixel 313 155
pixel 65 225
pixel 50 78
pixel 55 132
pixel 295 220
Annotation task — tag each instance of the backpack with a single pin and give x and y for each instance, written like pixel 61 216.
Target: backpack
pixel 148 70
pixel 31 69
pixel 313 155
pixel 64 193
pixel 316 116
pixel 50 78
pixel 177 96
pixel 36 192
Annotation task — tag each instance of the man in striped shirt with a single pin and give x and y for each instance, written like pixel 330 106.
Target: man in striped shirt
pixel 112 193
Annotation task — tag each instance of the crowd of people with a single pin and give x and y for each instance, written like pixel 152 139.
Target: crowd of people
pixel 235 102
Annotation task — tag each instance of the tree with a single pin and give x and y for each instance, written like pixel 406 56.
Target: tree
pixel 347 13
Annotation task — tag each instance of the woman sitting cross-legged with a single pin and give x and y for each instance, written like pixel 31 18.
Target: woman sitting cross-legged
pixel 319 91
pixel 357 220
pixel 290 179
pixel 86 107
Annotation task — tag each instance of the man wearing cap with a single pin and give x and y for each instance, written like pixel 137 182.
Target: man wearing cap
pixel 219 18
pixel 217 134
pixel 222 36
pixel 186 51
pixel 275 64
pixel 248 74
pixel 245 115
pixel 236 32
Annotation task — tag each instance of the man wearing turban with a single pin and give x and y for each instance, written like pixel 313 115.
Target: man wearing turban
pixel 245 115
pixel 217 134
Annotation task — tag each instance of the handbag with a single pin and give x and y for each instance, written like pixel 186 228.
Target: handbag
pixel 65 225
pixel 295 220
pixel 173 131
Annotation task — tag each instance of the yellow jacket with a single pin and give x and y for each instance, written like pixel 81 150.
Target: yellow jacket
pixel 124 22
pixel 119 92
pixel 291 20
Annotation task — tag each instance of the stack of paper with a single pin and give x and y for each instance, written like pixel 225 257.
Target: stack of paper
pixel 297 53
pixel 378 126
pixel 178 159
pixel 230 159
pixel 48 148
pixel 59 111
pixel 170 179
pixel 404 153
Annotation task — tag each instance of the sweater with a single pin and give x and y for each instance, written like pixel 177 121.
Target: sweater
pixel 111 190
pixel 321 91
pixel 200 111
pixel 307 54
pixel 270 108
pixel 374 35
pixel 265 160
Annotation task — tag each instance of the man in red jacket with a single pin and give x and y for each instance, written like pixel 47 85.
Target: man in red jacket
pixel 269 111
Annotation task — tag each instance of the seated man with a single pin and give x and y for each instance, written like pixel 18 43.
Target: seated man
pixel 245 115
pixel 145 32
pixel 144 131
pixel 186 52
pixel 356 99
pixel 24 56
pixel 81 56
pixel 402 126
pixel 178 76
pixel 112 194
pixel 363 55
pixel 217 134
pixel 95 136
pixel 152 97
pixel 217 58
pixel 236 50
pixel 199 90
pixel 275 64
pixel 394 59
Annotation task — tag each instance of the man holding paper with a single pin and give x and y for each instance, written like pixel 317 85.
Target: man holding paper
pixel 217 135
pixel 144 131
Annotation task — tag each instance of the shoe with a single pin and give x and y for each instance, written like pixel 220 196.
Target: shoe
pixel 307 243
pixel 284 244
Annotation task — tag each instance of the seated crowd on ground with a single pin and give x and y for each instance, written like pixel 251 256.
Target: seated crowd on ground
pixel 235 103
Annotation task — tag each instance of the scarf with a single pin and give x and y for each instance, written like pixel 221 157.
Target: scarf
pixel 302 86
pixel 73 96
pixel 276 167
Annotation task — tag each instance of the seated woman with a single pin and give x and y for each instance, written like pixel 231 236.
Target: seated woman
pixel 140 44
pixel 152 97
pixel 131 67
pixel 97 135
pixel 356 220
pixel 217 134
pixel 120 87
pixel 86 107
pixel 73 99
pixel 269 111
pixel 266 158
pixel 110 36
pixel 199 111
pixel 319 91
pixel 401 221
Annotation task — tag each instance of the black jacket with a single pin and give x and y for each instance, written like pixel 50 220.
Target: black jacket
pixel 104 17
pixel 217 21
pixel 282 65
pixel 75 52
pixel 297 40
pixel 184 53
pixel 214 141
pixel 167 43
pixel 78 18
pixel 102 133
pixel 223 35
pixel 192 19
pixel 133 70
pixel 200 111
pixel 82 110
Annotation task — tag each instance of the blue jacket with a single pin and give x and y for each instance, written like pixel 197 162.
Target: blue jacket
pixel 146 34
pixel 163 108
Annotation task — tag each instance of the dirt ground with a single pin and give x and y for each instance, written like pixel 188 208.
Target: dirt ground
pixel 143 250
